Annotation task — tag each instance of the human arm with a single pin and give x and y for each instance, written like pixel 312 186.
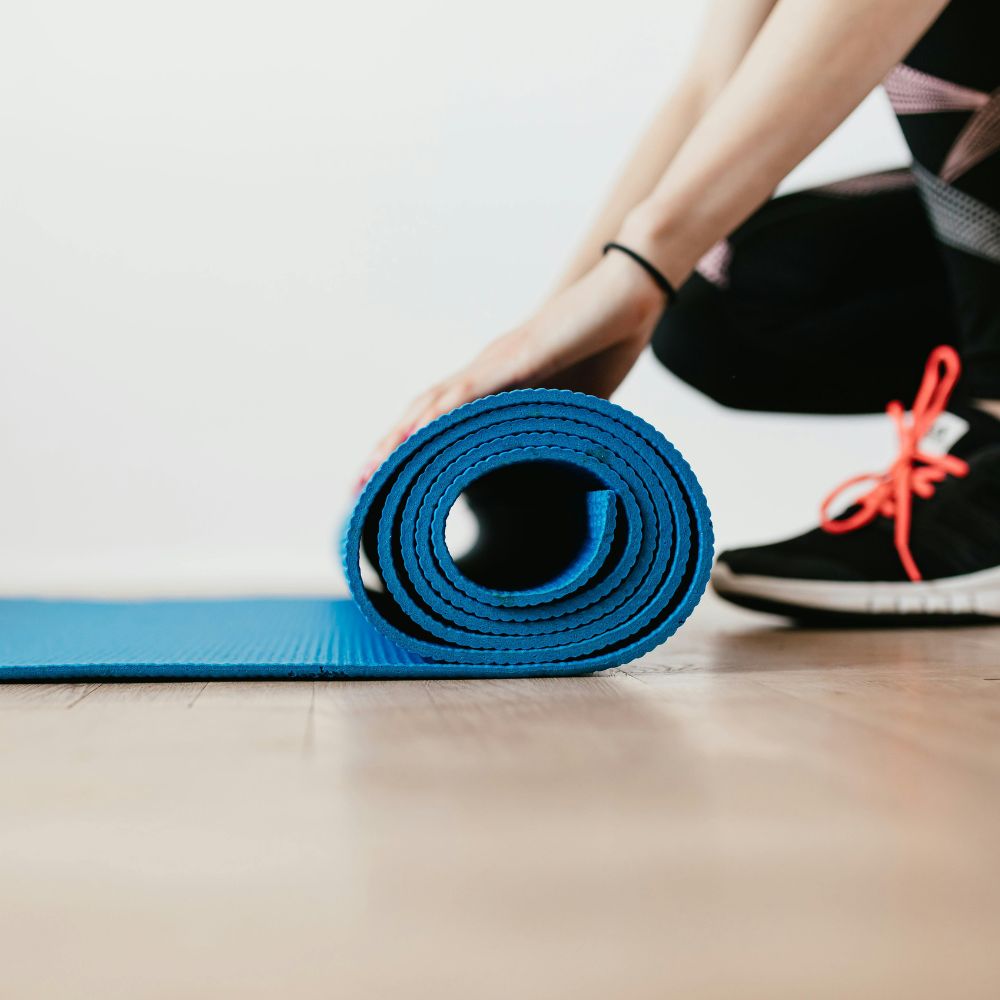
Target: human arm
pixel 811 63
pixel 619 302
pixel 729 29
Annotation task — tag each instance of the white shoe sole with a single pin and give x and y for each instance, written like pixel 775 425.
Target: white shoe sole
pixel 974 595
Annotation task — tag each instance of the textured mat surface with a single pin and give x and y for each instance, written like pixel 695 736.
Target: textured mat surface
pixel 594 545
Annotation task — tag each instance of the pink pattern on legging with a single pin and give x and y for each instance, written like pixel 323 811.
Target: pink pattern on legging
pixel 959 219
pixel 912 92
pixel 858 187
pixel 979 139
pixel 714 265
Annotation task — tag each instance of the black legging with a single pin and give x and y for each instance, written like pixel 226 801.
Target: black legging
pixel 830 300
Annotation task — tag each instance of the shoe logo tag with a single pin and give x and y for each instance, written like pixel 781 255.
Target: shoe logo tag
pixel 946 431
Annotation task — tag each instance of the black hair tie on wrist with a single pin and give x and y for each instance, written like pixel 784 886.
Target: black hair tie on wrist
pixel 659 278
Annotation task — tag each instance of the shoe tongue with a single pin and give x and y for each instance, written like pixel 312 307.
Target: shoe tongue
pixel 961 431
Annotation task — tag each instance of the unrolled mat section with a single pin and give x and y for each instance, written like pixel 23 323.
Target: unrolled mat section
pixel 594 545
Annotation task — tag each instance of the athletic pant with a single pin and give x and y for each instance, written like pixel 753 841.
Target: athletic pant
pixel 830 300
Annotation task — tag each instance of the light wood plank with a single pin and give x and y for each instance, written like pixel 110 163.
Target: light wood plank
pixel 751 811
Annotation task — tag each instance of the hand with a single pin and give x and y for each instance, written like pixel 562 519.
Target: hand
pixel 585 338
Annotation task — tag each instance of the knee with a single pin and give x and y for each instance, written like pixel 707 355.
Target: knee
pixel 695 356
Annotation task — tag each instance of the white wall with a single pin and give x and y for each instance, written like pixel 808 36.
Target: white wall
pixel 236 236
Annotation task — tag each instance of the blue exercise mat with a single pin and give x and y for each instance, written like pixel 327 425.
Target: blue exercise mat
pixel 594 546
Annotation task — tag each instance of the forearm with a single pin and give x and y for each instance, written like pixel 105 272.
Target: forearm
pixel 811 64
pixel 664 137
pixel 728 30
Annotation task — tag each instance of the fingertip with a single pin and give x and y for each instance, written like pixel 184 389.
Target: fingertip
pixel 366 473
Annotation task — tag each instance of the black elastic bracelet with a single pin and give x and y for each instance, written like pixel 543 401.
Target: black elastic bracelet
pixel 661 280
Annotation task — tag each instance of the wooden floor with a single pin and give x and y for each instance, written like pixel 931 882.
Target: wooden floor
pixel 750 812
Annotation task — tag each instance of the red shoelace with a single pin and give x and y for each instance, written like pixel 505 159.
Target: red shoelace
pixel 913 471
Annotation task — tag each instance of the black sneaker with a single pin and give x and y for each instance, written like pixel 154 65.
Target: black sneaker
pixel 864 567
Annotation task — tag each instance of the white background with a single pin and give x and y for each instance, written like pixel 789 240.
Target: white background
pixel 235 237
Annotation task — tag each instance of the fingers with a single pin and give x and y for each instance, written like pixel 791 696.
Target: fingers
pixel 399 433
pixel 462 388
pixel 500 366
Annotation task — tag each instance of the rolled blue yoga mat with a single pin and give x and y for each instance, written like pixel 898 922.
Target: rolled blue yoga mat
pixel 595 544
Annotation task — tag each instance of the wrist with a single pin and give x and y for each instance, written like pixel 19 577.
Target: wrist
pixel 669 240
pixel 634 289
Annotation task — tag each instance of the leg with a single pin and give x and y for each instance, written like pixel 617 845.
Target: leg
pixel 825 301
pixel 923 543
pixel 830 301
pixel 947 98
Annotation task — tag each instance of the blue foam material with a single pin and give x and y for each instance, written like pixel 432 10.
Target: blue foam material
pixel 618 560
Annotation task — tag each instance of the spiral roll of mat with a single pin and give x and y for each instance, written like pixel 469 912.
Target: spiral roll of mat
pixel 595 540
pixel 594 545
